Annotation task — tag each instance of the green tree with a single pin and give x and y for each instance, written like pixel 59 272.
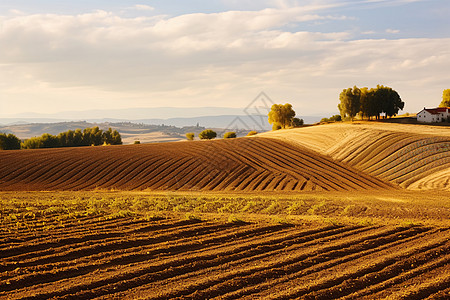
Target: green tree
pixel 281 115
pixel 190 136
pixel 32 143
pixel 111 137
pixel 350 102
pixel 92 136
pixel 296 122
pixel 445 98
pixel 207 134
pixel 335 118
pixel 389 100
pixel 9 142
pixel 229 135
pixel 49 141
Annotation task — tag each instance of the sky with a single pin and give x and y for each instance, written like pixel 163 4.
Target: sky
pixel 60 55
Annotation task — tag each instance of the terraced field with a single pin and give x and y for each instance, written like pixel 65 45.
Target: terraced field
pixel 412 156
pixel 86 257
pixel 247 164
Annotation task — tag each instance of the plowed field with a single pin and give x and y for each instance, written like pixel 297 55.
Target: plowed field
pixel 413 156
pixel 132 258
pixel 247 164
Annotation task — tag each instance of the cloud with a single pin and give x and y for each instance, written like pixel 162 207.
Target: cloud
pixel 392 31
pixel 143 7
pixel 49 61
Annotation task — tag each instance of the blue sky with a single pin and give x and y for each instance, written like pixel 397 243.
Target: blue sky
pixel 77 55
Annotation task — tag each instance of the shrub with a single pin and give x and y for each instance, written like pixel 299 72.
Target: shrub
pixel 9 142
pixel 207 134
pixel 137 142
pixel 190 136
pixel 229 135
pixel 253 132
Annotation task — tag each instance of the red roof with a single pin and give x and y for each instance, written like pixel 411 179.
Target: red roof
pixel 436 111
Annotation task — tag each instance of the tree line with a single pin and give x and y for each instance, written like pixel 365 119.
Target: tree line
pixel 369 103
pixel 73 138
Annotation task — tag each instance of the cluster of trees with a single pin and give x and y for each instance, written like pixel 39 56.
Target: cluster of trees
pixel 369 103
pixel 283 116
pixel 9 142
pixel 209 134
pixel 335 118
pixel 75 138
pixel 445 98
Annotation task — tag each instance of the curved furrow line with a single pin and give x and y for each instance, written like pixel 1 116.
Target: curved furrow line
pixel 352 176
pixel 253 232
pixel 376 290
pixel 304 287
pixel 67 231
pixel 207 259
pixel 141 174
pixel 266 159
pixel 385 152
pixel 321 263
pixel 435 162
pixel 308 173
pixel 323 167
pixel 404 157
pixel 251 273
pixel 392 270
pixel 123 166
pixel 50 246
pixel 384 144
pixel 168 179
pixel 296 264
pixel 102 260
pixel 147 179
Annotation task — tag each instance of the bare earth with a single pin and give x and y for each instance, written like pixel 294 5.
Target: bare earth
pixel 341 211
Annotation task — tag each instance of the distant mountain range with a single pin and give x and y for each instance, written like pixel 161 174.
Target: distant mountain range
pixel 214 117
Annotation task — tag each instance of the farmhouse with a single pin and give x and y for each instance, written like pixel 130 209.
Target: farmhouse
pixel 433 115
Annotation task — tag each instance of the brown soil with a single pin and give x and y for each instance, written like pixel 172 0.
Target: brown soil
pixel 246 164
pixel 126 258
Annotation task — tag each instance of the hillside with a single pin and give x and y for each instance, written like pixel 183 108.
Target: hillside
pixel 245 164
pixel 335 157
pixel 412 156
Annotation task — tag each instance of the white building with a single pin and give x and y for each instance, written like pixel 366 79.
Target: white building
pixel 434 115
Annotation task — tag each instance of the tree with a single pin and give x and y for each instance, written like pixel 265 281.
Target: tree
pixel 32 143
pixel 9 142
pixel 207 134
pixel 389 100
pixel 335 118
pixel 350 102
pixel 296 122
pixel 253 132
pixel 49 141
pixel 111 137
pixel 229 135
pixel 281 115
pixel 445 98
pixel 190 136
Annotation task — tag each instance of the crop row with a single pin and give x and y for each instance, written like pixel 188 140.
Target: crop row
pixel 192 259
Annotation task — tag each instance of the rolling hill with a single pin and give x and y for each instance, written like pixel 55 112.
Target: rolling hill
pixel 246 164
pixel 412 156
pixel 337 157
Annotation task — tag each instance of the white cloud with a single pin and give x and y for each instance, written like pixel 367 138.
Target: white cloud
pixel 392 31
pixel 48 62
pixel 143 7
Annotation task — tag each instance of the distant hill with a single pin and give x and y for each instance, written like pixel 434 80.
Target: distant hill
pixel 129 131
